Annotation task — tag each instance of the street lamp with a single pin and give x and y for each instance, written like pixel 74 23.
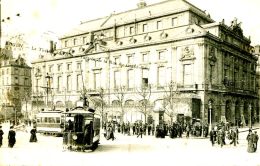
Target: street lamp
pixel 250 113
pixel 48 77
pixel 210 115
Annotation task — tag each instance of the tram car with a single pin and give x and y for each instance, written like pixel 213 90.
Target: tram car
pixel 50 122
pixel 82 129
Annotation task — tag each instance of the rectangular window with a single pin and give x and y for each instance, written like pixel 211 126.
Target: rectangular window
pixel 161 77
pixel 130 59
pixel 79 82
pixel 97 80
pixel 79 66
pixel 174 22
pixel 145 80
pixel 69 83
pixel 50 68
pixel 145 57
pixel 161 55
pixel 117 61
pixel 68 66
pixel 16 71
pixel 16 80
pixel 66 43
pixel 59 67
pixel 75 42
pixel 84 40
pixel 159 25
pixel 145 27
pixel 59 84
pixel 210 73
pixel 130 79
pixel 26 82
pixel 117 79
pixel 131 30
pixel 97 63
pixel 187 74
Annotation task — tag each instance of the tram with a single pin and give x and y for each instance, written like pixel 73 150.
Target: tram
pixel 50 122
pixel 81 129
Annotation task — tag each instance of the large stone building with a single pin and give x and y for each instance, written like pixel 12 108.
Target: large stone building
pixel 177 60
pixel 15 87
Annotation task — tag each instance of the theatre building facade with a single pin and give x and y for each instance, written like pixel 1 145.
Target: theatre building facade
pixel 147 60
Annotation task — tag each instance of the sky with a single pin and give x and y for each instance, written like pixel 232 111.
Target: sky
pixel 59 16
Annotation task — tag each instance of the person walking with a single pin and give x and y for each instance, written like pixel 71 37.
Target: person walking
pixel 11 137
pixel 33 137
pixel 233 137
pixel 1 136
pixel 255 140
pixel 237 132
pixel 212 136
pixel 250 145
pixel 140 131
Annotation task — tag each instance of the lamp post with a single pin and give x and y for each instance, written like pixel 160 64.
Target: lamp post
pixel 210 115
pixel 250 115
pixel 48 77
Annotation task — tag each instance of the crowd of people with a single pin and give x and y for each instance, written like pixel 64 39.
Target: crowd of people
pixel 221 134
pixel 159 131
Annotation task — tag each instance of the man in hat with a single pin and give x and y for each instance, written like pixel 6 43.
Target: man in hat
pixel 255 140
pixel 1 136
pixel 11 137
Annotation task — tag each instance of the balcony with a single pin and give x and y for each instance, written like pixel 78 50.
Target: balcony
pixel 192 87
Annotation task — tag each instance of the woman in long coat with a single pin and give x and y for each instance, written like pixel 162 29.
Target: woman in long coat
pixel 11 137
pixel 250 140
pixel 1 136
pixel 33 137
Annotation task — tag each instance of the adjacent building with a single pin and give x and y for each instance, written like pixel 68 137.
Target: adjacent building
pixel 137 63
pixel 15 87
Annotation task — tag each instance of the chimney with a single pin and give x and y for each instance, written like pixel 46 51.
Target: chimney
pixel 141 4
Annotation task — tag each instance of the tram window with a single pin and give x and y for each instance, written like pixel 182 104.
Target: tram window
pixel 96 123
pixel 57 120
pixel 51 120
pixel 79 119
pixel 45 119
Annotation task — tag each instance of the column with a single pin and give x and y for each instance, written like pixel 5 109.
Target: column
pixel 250 115
pixel 223 111
pixel 242 115
pixel 233 116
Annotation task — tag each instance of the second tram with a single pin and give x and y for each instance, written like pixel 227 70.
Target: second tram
pixel 50 122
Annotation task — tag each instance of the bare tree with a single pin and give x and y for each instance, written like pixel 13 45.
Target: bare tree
pixel 99 102
pixel 26 97
pixel 170 92
pixel 15 99
pixel 144 92
pixel 120 95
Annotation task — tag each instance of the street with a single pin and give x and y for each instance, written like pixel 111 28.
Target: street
pixel 127 150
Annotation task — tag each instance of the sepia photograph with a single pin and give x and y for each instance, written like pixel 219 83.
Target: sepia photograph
pixel 129 82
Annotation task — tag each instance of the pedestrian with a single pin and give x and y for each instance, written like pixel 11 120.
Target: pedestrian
pixel 140 131
pixel 255 140
pixel 237 132
pixel 212 136
pixel 1 136
pixel 233 137
pixel 187 131
pixel 250 145
pixel 11 137
pixel 33 137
